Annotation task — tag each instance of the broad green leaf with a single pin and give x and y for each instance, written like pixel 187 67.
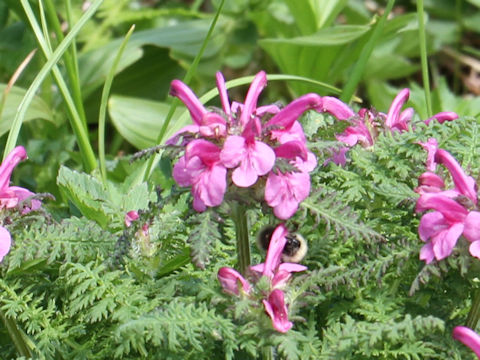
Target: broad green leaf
pixel 38 109
pixel 337 35
pixel 323 56
pixel 139 121
pixel 184 38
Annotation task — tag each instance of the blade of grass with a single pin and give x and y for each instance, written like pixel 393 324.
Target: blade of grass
pixel 103 106
pixel 69 57
pixel 358 70
pixel 49 65
pixel 186 80
pixel 423 57
pixel 14 79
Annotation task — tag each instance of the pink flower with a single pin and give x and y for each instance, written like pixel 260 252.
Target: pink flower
pixel 284 126
pixel 429 182
pixel 431 146
pixel 202 169
pixel 207 123
pixel 11 196
pixel 277 310
pixel 468 337
pixel 131 216
pixel 441 228
pixel 5 242
pixel 360 131
pixel 441 117
pixel 336 107
pixel 397 120
pixel 231 281
pixel 465 185
pixel 254 157
pixel 278 273
pixel 285 191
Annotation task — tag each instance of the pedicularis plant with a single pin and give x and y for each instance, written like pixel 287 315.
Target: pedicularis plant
pixel 365 208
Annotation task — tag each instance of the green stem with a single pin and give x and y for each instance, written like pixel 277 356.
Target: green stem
pixel 16 335
pixel 359 68
pixel 239 217
pixel 423 56
pixel 267 353
pixel 70 60
pixel 474 313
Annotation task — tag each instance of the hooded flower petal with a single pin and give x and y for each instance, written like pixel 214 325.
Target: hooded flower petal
pixel 277 310
pixel 256 87
pixel 188 97
pixel 290 113
pixel 464 184
pixel 231 281
pixel 11 161
pixel 5 242
pixel 441 117
pixel 393 117
pixel 468 337
pixel 337 108
pixel 449 208
pixel 275 249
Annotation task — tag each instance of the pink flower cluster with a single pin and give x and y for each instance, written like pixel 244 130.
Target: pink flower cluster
pixel 275 271
pixel 13 197
pixel 247 142
pixel 455 211
pixel 367 124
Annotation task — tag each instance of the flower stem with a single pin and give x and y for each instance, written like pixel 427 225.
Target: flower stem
pixel 241 233
pixel 267 353
pixel 474 313
pixel 16 335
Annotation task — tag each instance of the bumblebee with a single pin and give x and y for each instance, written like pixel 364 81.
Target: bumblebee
pixel 295 249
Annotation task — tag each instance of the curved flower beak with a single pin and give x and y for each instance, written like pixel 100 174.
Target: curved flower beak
pixel 11 161
pixel 468 337
pixel 188 97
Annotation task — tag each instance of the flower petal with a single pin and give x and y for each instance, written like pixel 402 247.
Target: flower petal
pixel 443 116
pixel 463 183
pixel 290 113
pixel 337 108
pixel 277 310
pixel 275 249
pixel 188 97
pixel 231 280
pixel 11 161
pixel 468 337
pixel 394 111
pixel 472 226
pixel 5 242
pixel 256 87
pixel 445 241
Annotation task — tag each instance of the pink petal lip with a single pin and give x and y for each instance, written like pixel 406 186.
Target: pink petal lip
pixel 277 310
pixel 231 280
pixel 468 337
pixel 5 242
